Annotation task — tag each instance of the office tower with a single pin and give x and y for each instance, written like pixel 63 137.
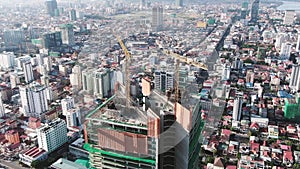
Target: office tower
pixel 51 40
pixel 75 77
pixel 13 37
pixel 295 78
pixel 52 135
pixel 285 51
pixel 73 117
pixel 7 60
pixel 163 80
pixel 67 104
pixel 28 71
pixel 237 109
pixel 2 108
pixel 254 11
pixel 102 80
pixel 298 44
pixel 67 34
pixel 289 17
pixel 226 72
pixel 34 100
pixel 14 80
pixel 157 18
pixel 72 15
pixel 51 7
pixel 179 3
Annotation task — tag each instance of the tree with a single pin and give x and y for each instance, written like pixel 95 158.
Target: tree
pixel 36 164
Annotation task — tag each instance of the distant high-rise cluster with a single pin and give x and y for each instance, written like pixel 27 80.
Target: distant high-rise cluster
pixel 51 7
pixel 157 18
pixel 254 11
pixel 179 3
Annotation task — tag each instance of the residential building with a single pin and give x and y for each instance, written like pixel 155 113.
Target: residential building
pixel 28 71
pixel 298 44
pixel 237 109
pixel 34 100
pixel 254 11
pixel 294 79
pixel 289 17
pixel 52 135
pixel 51 7
pixel 67 104
pixel 87 80
pixel 102 81
pixel 163 80
pixel 7 60
pixel 73 117
pixel 285 51
pixel 14 80
pixel 67 34
pixel 2 108
pixel 75 77
pixel 157 18
pixel 12 136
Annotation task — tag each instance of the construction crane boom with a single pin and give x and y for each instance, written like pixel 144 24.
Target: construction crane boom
pixel 186 60
pixel 127 75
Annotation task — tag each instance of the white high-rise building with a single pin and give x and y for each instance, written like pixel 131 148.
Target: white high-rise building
pixel 102 87
pixel 52 135
pixel 285 51
pixel 279 40
pixel 73 118
pixel 34 100
pixel 164 80
pixel 48 63
pixel 2 109
pixel 75 77
pixel 67 104
pixel 28 72
pixel 14 80
pixel 298 44
pixel 87 80
pixel 295 78
pixel 226 72
pixel 237 109
pixel 7 60
pixel 289 17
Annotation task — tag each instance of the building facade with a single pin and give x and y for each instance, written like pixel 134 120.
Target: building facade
pixel 254 11
pixel 295 78
pixel 51 6
pixel 34 100
pixel 52 135
pixel 157 18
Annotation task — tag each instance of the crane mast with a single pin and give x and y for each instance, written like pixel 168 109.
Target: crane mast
pixel 127 75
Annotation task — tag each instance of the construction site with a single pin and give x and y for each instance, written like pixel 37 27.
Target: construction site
pixel 162 128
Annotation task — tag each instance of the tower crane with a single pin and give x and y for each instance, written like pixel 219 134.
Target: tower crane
pixel 127 75
pixel 186 60
pixel 180 58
